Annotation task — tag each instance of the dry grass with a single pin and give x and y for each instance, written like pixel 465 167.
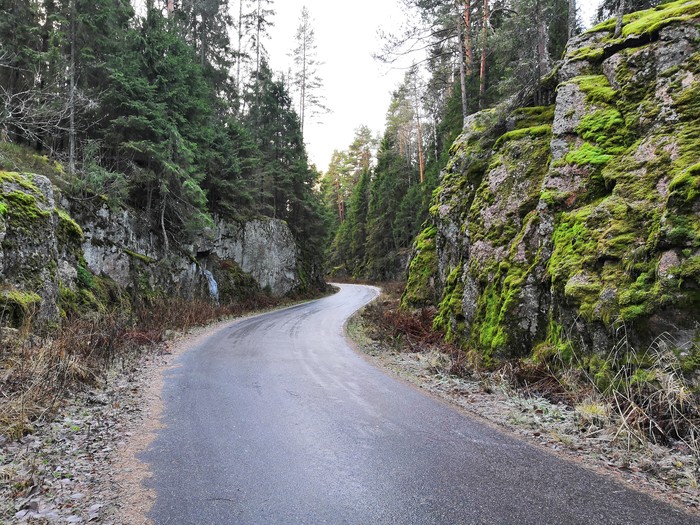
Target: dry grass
pixel 646 398
pixel 37 375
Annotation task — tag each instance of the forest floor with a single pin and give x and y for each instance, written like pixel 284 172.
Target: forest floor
pixel 79 466
pixel 668 472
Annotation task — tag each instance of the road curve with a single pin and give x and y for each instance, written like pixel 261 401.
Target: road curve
pixel 275 420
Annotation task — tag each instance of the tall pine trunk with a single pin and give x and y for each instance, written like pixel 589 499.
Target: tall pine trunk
pixel 620 13
pixel 71 83
pixel 462 66
pixel 572 18
pixel 484 40
pixel 469 54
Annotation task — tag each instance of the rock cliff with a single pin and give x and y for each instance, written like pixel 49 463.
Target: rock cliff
pixel 57 256
pixel 563 228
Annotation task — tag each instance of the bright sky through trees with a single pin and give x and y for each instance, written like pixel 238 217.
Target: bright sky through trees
pixel 357 88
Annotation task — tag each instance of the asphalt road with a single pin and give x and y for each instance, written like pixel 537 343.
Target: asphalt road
pixel 275 420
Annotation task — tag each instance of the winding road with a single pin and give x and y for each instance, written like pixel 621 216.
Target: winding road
pixel 276 420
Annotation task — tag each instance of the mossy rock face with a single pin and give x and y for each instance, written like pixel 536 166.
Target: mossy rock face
pixel 29 249
pixel 235 285
pixel 41 244
pixel 565 223
pixel 420 287
pixel 18 308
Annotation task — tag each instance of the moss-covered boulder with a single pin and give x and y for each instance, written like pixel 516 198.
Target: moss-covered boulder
pixel 39 249
pixel 581 217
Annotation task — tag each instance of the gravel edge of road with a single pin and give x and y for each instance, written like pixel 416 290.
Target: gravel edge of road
pixel 533 420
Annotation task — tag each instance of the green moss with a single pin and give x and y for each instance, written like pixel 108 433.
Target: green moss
pixel 607 25
pixel 85 279
pixel 450 317
pixel 593 54
pixel 652 20
pixel 685 187
pixel 23 181
pixel 68 229
pixel 3 209
pixel 420 288
pixel 535 131
pixel 553 197
pixel 584 291
pixel 588 154
pixel 556 345
pixel 533 116
pixel 494 307
pixel 688 270
pixel 687 103
pixel 14 157
pixel 606 128
pixel 574 246
pixel 139 256
pixel 85 301
pixel 235 285
pixel 597 89
pixel 17 307
pixel 681 231
pixel 23 210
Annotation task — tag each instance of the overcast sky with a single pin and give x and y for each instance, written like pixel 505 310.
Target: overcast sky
pixel 357 88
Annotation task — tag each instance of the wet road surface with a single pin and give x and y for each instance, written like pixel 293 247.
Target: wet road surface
pixel 275 420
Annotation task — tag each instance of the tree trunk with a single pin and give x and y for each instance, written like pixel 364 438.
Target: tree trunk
pixel 462 69
pixel 421 160
pixel 166 243
pixel 240 47
pixel 469 54
pixel 416 109
pixel 339 199
pixel 572 18
pixel 620 14
pixel 71 100
pixel 482 69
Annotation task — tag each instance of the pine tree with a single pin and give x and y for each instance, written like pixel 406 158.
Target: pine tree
pixel 305 77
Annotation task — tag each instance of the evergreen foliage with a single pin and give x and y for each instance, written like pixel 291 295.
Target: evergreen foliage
pixel 148 114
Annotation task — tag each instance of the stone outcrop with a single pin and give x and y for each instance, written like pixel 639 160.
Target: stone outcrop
pixel 557 229
pixel 55 257
pixel 40 245
pixel 130 251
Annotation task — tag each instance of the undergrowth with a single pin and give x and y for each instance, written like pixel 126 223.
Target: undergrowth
pixel 38 375
pixel 639 397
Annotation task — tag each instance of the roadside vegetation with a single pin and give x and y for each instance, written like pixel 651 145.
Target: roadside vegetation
pixel 38 375
pixel 634 414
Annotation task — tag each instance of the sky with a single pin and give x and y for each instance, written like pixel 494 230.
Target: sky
pixel 357 88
